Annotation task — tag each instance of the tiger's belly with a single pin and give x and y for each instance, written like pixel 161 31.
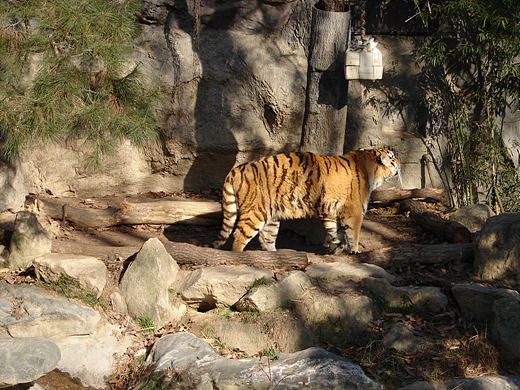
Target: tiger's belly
pixel 295 209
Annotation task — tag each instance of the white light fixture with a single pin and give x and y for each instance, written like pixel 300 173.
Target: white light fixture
pixel 363 61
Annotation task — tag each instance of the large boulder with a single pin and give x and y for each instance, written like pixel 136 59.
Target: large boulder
pixel 28 312
pixel 92 358
pixel 473 217
pixel 145 285
pixel 337 314
pixel 29 240
pixel 408 298
pixel 252 332
pixel 505 330
pixel 220 286
pixel 497 248
pixel 195 363
pixel 274 295
pixel 476 301
pixel 89 273
pixel 23 360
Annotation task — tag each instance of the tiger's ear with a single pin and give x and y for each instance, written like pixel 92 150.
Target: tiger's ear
pixel 384 159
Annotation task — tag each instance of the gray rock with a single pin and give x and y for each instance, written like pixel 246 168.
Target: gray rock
pixel 484 383
pixel 505 330
pixel 118 303
pixel 401 338
pixel 497 248
pixel 421 385
pixel 39 315
pixel 413 299
pixel 220 286
pixel 91 359
pixel 473 217
pixel 275 330
pixel 88 272
pixel 29 240
pixel 476 301
pixel 337 317
pixel 145 284
pixel 198 366
pixel 350 271
pixel 26 359
pixel 275 295
pixel 12 185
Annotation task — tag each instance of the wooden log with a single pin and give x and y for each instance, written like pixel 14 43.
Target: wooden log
pixel 410 255
pixel 445 229
pixel 284 259
pixel 393 194
pixel 158 212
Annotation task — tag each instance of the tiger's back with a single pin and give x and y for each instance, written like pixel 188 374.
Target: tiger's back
pixel 335 189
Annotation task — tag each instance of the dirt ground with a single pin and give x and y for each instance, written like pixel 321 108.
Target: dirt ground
pixel 457 348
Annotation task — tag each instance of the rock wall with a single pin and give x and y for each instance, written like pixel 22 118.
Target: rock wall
pixel 242 95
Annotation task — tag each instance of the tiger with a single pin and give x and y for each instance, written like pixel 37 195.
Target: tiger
pixel 335 189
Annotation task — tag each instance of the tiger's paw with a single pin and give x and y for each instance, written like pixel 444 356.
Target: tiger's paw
pixel 336 249
pixel 217 244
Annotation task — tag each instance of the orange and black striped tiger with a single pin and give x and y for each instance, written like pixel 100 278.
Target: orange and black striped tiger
pixel 335 189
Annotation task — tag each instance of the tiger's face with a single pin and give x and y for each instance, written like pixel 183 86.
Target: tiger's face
pixel 387 166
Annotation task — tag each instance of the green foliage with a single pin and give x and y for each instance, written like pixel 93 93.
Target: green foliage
pixel 250 316
pixel 263 281
pixel 70 289
pixel 64 74
pixel 473 47
pixel 146 324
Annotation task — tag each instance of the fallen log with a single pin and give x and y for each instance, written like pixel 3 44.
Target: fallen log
pixel 393 194
pixel 445 229
pixel 411 255
pixel 187 212
pixel 284 259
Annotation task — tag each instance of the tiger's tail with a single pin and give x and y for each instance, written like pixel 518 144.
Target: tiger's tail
pixel 229 211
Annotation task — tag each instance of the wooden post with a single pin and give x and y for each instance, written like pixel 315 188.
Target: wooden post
pixel 326 103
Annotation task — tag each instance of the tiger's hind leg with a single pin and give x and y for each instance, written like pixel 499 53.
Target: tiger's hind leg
pixel 248 226
pixel 229 212
pixel 268 234
pixel 335 239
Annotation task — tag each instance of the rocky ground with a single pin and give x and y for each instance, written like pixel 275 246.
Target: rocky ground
pixel 458 348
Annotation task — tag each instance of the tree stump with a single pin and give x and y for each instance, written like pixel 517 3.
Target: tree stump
pixel 326 102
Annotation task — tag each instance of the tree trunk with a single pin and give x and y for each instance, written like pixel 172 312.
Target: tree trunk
pixel 326 102
pixel 445 229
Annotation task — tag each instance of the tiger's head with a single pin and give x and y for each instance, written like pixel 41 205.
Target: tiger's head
pixel 386 165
